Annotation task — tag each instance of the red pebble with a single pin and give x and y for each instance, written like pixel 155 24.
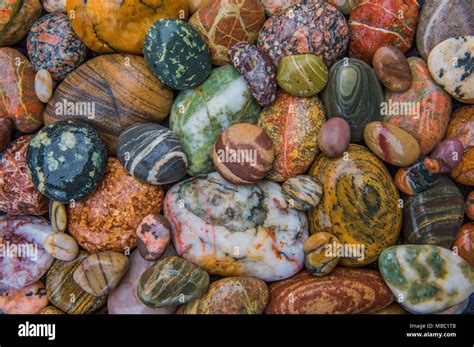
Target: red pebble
pixel 153 235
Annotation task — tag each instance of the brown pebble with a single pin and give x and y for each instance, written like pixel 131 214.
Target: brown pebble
pixel 392 69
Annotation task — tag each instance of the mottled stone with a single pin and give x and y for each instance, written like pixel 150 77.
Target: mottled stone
pixel 392 69
pixel 153 235
pixel 16 19
pixel 275 6
pixel 418 177
pixel 54 5
pixel 334 137
pixel 302 192
pixel 61 246
pixel 321 253
pixel 464 243
pixel 28 300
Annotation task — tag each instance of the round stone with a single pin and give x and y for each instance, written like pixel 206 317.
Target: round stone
pixel 177 54
pixel 99 273
pixel 172 281
pixel 61 246
pixel 449 152
pixel 321 253
pixel 464 243
pixel 152 153
pixel 243 154
pixel 153 236
pixel 392 69
pixel 28 300
pixel 44 85
pixel 54 5
pixel 107 220
pixel 58 216
pixel 303 75
pixel 450 64
pixel 258 70
pixel 334 137
pixel 418 177
pixel 16 19
pixel 302 192
pixel 309 27
pixel 53 46
pixel 66 160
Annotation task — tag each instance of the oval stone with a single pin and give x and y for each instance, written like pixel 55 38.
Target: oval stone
pixel 200 115
pixel 58 216
pixel 302 75
pixel 428 278
pixel 152 153
pixel 359 205
pixel 392 69
pixel 423 110
pixel 320 253
pixel 464 243
pixel 61 246
pixel 449 152
pixel 43 85
pixel 236 230
pixel 153 235
pixel 66 160
pixel 177 54
pixel 434 216
pixel 391 144
pixel 302 192
pixel 231 295
pixel 334 137
pixel 293 124
pixel 172 281
pixel 418 177
pixel 344 291
pixel 28 300
pixel 353 93
pixel 54 5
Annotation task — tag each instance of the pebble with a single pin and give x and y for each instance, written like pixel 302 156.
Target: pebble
pixel 418 177
pixel 320 253
pixel 54 5
pixel 153 236
pixel 44 85
pixel 99 273
pixel 391 144
pixel 61 246
pixel 449 152
pixel 426 278
pixel 464 243
pixel 392 69
pixel 172 281
pixel 334 137
pixel 302 75
pixel 28 300
pixel 302 192
pixel 243 154
pixel 464 172
pixel 470 206
pixel 58 216
pixel 275 6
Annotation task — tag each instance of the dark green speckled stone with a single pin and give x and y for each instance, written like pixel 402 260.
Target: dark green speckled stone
pixel 66 160
pixel 354 93
pixel 177 54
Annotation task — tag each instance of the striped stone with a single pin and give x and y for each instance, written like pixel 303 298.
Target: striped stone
pixel 152 153
pixel 302 192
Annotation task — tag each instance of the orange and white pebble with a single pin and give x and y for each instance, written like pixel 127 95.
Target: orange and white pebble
pixel 44 85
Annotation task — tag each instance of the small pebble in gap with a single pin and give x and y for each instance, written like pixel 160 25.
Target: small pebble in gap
pixel 61 246
pixel 43 85
pixel 449 152
pixel 320 253
pixel 334 137
pixel 153 235
pixel 58 216
pixel 302 192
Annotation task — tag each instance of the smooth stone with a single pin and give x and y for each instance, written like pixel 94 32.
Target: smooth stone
pixel 28 300
pixel 293 124
pixel 223 23
pixel 99 273
pixel 392 69
pixel 374 24
pixel 359 204
pixel 243 154
pixel 16 20
pixel 236 230
pixel 18 270
pixel 43 85
pixel 423 110
pixel 470 206
pixel 320 253
pixel 461 126
pixel 231 295
pixel 195 5
pixel 50 310
pixel 418 177
pixel 353 93
pixel 200 115
pixel 153 236
pixel 6 129
pixel 302 192
pixel 18 87
pixel 313 27
pixel 464 243
pixel 66 161
pixel 464 172
pixel 54 5
pixel 391 144
pixel 61 246
pixel 177 54
pixel 64 293
pixel 258 70
pixel 345 6
pixel 426 278
pixel 123 299
pixel 152 153
pixel 18 195
pixel 442 19
pixel 343 291
pixel 172 281
pixel 58 216
pixel 334 137
pixel 302 75
pixel 53 45
pixel 434 216
pixel 449 152
pixel 275 6
pixel 450 64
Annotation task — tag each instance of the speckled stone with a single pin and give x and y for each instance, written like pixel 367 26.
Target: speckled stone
pixel 153 236
pixel 16 19
pixel 309 27
pixel 43 85
pixel 236 230
pixel 152 153
pixel 275 6
pixel 302 192
pixel 54 5
pixel 418 177
pixel 28 300
pixel 176 54
pixel 426 278
pixel 66 160
pixel 54 46
pixel 61 246
pixel 321 253
pixel 258 70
